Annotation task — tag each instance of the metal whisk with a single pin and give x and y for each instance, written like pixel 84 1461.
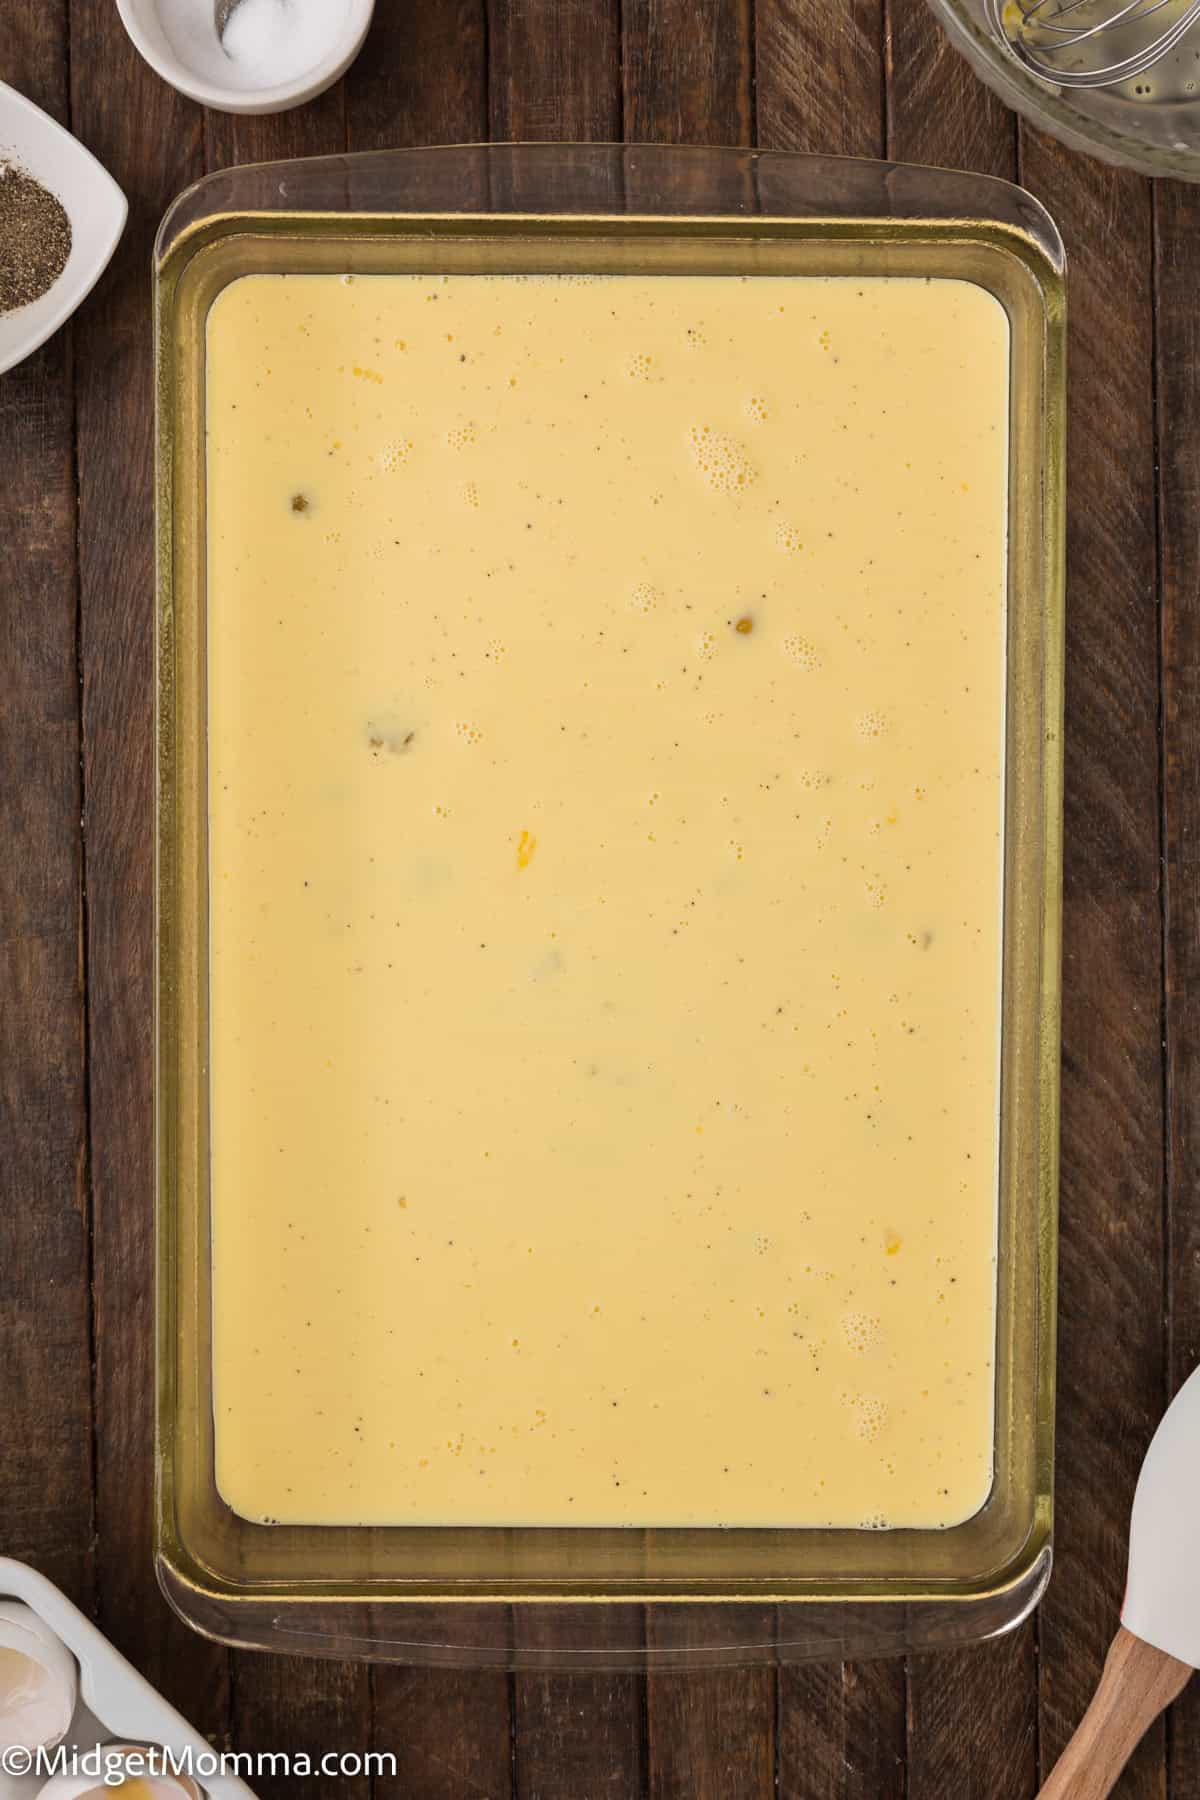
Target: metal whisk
pixel 1059 39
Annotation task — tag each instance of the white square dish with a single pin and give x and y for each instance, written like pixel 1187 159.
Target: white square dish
pixel 94 204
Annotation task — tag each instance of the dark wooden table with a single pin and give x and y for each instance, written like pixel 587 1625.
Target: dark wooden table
pixel 867 77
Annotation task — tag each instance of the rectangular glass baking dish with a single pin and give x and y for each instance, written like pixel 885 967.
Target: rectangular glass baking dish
pixel 538 1597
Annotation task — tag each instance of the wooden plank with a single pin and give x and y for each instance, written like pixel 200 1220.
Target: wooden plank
pixel 554 70
pixel 973 1722
pixel 317 129
pixel 1177 219
pixel 46 1499
pixel 842 1731
pixel 299 1705
pixel 580 1734
pixel 150 140
pixel 820 76
pixel 1112 1270
pixel 972 1713
pixel 938 111
pixel 307 1707
pixel 812 1732
pixel 711 1732
pixel 390 98
pixel 687 76
pixel 450 1730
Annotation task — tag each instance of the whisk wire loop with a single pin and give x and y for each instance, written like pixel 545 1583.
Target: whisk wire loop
pixel 1050 40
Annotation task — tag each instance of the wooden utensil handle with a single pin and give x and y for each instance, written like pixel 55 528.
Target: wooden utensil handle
pixel 1137 1684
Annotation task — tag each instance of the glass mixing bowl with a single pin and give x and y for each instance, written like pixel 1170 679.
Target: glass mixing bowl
pixel 1151 123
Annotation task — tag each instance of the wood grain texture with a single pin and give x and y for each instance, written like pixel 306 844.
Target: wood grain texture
pixel 938 110
pixel 1177 230
pixel 554 70
pixel 842 1731
pixel 45 1303
pixel 277 1703
pixel 150 141
pixel 688 78
pixel 1138 1682
pixel 686 69
pixel 450 1732
pixel 1111 1369
pixel 973 1722
pixel 711 1732
pixel 820 88
pixel 820 76
pixel 304 1706
pixel 390 99
pixel 581 1734
pixel 318 129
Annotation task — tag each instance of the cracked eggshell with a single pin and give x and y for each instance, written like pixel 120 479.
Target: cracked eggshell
pixel 39 1681
pixel 137 1782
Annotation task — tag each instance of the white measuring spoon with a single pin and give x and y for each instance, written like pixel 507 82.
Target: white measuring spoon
pixel 1158 1645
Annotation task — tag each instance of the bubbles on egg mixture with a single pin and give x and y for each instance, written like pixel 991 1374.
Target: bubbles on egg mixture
pixel 470 495
pixel 706 646
pixel 869 1415
pixel 861 1332
pixel 395 455
pixel 801 650
pixel 644 597
pixel 788 539
pixel 469 732
pixel 758 409
pixel 721 461
pixel 870 724
pixel 495 651
pixel 876 893
pixel 461 437
pixel 812 779
pixel 694 338
pixel 640 367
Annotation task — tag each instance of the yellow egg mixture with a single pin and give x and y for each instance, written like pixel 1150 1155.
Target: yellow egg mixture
pixel 606 691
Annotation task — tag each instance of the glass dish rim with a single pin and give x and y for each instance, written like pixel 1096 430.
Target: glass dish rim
pixel 182 1574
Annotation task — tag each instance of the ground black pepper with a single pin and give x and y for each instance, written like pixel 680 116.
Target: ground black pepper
pixel 35 238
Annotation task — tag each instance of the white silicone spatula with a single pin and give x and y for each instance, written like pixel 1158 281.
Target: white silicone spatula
pixel 1158 1646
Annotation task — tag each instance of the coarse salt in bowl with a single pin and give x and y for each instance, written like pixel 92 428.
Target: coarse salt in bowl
pixel 275 54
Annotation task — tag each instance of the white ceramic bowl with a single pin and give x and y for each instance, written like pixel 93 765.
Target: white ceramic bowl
pixel 142 21
pixel 93 202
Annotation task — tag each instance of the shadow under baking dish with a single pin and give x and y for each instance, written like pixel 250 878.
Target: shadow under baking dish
pixel 548 1596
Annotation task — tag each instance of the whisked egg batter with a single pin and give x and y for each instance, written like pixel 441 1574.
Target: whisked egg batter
pixel 606 690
